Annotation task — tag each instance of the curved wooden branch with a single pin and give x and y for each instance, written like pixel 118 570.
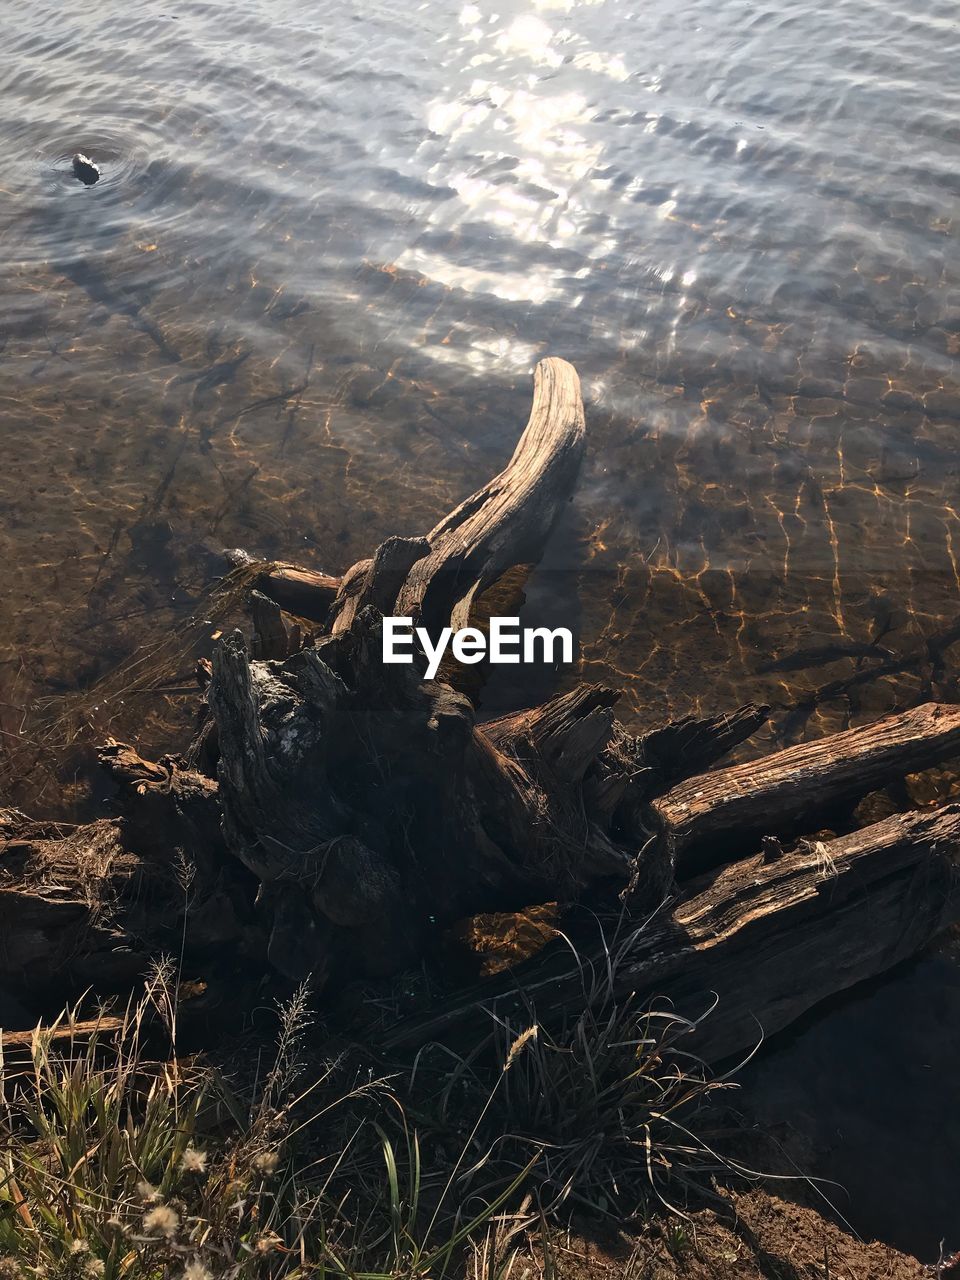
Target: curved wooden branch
pixel 505 523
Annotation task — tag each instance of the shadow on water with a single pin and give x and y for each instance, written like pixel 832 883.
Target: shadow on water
pixel 300 310
pixel 96 285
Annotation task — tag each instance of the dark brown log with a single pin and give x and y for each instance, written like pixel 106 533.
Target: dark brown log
pixel 91 906
pixel 171 812
pixel 767 796
pixel 63 894
pixel 271 637
pixel 564 735
pixel 765 940
pixel 301 592
pixel 344 783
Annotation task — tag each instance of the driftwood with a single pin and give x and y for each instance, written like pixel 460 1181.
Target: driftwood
pixel 764 940
pixel 769 796
pixel 89 907
pixel 334 814
pixel 71 1040
pixel 345 784
pixel 301 592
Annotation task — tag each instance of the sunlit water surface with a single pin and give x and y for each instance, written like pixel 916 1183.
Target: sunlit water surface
pixel 301 309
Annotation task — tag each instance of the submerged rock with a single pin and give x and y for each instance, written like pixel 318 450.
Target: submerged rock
pixel 85 169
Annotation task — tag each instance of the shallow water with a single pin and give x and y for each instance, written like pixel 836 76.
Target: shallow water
pixel 301 309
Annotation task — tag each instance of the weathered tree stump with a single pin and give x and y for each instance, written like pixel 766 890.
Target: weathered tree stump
pixel 335 813
pixel 365 799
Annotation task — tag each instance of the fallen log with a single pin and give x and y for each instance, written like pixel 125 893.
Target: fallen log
pixel 764 940
pixel 336 814
pixel 345 783
pixel 769 795
pixel 68 1040
pixel 302 592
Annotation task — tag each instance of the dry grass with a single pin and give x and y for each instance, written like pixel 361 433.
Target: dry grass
pixel 118 1167
pixel 112 1165
pixel 603 1108
pixel 90 861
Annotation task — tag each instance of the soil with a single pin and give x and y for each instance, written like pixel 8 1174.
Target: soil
pixel 756 1234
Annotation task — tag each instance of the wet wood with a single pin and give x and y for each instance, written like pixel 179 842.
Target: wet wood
pixel 345 783
pixel 302 592
pixel 768 796
pixel 764 940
